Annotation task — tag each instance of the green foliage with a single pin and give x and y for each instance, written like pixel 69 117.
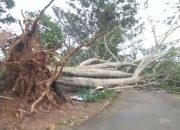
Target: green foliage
pixel 3 75
pixel 51 34
pixel 6 5
pixel 96 16
pixel 92 95
pixel 110 42
pixel 91 17
pixel 168 70
pixel 2 72
pixel 100 48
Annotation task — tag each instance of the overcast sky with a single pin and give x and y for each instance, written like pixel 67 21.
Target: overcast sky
pixel 156 10
pixel 159 10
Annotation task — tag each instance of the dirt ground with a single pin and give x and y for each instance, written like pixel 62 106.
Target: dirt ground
pixel 13 116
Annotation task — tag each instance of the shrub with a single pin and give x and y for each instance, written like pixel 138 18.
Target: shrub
pixel 93 95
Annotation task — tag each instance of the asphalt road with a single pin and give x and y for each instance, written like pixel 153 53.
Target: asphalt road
pixel 138 110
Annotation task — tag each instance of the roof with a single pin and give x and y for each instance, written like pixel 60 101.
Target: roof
pixel 4 37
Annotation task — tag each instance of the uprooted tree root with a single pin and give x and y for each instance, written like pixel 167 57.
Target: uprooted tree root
pixel 25 76
pixel 27 70
pixel 26 73
pixel 26 64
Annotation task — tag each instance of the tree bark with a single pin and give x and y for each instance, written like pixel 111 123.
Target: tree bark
pixel 94 82
pixel 91 61
pixel 94 73
pixel 111 65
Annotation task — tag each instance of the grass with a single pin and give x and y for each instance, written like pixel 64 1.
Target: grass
pixel 92 95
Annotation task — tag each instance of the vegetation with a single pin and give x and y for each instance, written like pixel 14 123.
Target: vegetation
pixel 169 71
pixel 3 78
pixel 50 31
pixel 92 17
pixel 5 18
pixel 27 61
pixel 93 95
pixel 6 5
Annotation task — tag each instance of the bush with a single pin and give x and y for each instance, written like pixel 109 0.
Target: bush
pixel 93 95
pixel 168 71
pixel 3 80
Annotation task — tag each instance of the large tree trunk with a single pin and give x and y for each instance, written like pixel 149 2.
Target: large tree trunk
pixel 91 61
pixel 91 73
pixel 111 65
pixel 94 82
pixel 94 73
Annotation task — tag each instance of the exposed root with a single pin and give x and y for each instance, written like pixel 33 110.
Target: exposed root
pixel 37 101
pixel 4 97
pixel 27 63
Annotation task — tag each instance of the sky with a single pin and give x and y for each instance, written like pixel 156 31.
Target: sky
pixel 31 5
pixel 159 10
pixel 155 10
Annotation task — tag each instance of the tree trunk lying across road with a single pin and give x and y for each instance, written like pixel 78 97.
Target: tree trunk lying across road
pixel 111 65
pixel 94 82
pixel 94 73
pixel 91 61
pixel 91 74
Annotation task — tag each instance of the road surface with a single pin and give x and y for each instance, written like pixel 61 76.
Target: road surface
pixel 138 110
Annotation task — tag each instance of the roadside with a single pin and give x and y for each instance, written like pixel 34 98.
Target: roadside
pixel 65 116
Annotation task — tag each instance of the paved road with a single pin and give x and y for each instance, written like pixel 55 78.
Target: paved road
pixel 138 110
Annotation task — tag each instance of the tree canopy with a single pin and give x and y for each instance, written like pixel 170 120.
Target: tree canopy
pixel 50 31
pixel 91 17
pixel 6 5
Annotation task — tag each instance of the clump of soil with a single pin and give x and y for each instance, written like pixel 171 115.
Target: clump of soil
pixel 13 116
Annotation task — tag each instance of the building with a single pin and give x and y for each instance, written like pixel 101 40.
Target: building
pixel 4 37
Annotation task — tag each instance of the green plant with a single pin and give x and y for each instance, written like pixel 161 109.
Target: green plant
pixel 94 16
pixel 168 71
pixel 3 80
pixel 93 95
pixel 5 6
pixel 49 29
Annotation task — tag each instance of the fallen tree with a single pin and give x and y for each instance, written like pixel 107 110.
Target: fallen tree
pixel 97 72
pixel 113 74
pixel 27 67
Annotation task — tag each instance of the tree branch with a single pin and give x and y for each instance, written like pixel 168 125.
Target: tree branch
pixel 111 65
pixel 91 61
